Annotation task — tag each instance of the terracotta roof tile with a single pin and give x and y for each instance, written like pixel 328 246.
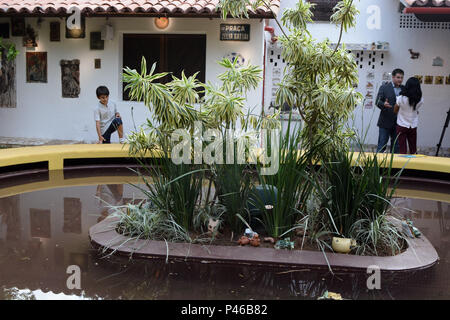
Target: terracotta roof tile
pixel 207 7
pixel 428 3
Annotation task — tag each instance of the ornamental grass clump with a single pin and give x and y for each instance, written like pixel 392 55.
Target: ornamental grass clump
pixel 353 200
pixel 289 187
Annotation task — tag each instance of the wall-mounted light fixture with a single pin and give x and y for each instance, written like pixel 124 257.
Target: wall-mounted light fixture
pixel 162 22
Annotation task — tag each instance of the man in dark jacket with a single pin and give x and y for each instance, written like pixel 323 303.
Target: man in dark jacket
pixel 387 122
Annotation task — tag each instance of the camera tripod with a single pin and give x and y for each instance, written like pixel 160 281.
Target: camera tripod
pixel 443 132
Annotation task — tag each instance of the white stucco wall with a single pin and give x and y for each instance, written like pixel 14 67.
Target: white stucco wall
pixel 429 42
pixel 42 112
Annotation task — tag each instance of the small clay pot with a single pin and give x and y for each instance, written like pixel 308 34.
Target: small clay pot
pixel 243 240
pixel 255 241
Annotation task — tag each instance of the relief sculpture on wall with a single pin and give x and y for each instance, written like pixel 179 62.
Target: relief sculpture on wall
pixel 70 77
pixel 7 81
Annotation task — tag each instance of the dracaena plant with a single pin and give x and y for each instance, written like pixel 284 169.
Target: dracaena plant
pixel 183 101
pixel 318 79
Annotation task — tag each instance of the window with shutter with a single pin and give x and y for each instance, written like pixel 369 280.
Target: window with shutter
pixel 172 53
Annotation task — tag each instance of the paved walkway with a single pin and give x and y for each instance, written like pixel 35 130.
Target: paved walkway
pixel 21 142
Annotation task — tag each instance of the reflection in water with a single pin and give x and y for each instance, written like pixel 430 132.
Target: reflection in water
pixel 109 194
pixel 72 215
pixel 10 217
pixel 43 232
pixel 40 225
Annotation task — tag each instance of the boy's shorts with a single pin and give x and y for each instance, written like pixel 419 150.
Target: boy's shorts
pixel 112 128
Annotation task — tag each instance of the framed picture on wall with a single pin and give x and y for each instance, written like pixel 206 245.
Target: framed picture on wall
pixel 36 67
pixel 447 80
pixel 18 27
pixel 429 79
pixel 96 41
pixel 55 31
pixel 419 77
pixel 439 80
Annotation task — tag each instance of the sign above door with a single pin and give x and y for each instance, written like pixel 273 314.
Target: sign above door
pixel 234 32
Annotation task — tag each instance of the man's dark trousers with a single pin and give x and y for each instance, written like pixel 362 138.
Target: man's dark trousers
pixel 387 122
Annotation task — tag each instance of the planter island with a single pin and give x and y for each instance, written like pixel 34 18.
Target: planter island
pixel 419 255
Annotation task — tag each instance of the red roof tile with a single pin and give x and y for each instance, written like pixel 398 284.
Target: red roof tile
pixel 427 3
pixel 169 7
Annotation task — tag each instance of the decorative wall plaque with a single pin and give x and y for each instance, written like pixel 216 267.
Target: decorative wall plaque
pixel 420 78
pixel 429 79
pixel 438 62
pixel 439 80
pixel 98 63
pixel 70 77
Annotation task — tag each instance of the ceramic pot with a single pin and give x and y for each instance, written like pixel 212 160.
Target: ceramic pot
pixel 343 245
pixel 244 240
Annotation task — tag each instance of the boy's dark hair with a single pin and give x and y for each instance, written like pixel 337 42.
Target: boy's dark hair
pixel 102 91
pixel 397 71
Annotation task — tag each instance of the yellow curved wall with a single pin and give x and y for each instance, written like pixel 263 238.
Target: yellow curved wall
pixel 55 156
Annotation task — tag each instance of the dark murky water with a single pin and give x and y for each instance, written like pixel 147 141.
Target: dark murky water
pixel 43 232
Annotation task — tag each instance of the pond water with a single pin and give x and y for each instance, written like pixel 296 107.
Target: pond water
pixel 44 231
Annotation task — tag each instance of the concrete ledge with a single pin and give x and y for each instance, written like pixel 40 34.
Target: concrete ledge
pixel 419 255
pixel 55 155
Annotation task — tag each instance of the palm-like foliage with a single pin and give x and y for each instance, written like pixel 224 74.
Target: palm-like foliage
pixel 318 80
pixel 144 87
pixel 178 104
